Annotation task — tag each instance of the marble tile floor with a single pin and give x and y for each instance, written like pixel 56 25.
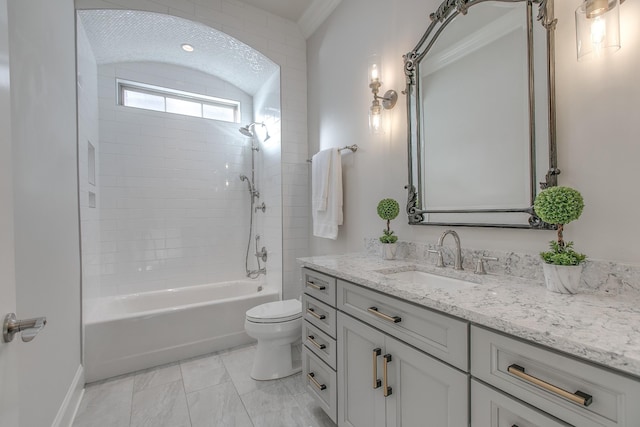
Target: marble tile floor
pixel 211 390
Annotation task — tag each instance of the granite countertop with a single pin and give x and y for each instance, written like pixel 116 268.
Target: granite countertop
pixel 600 328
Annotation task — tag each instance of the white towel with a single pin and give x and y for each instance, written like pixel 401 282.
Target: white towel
pixel 327 220
pixel 320 166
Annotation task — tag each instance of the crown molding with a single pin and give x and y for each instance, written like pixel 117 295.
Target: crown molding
pixel 315 15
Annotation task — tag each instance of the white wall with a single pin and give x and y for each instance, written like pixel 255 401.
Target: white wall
pixel 173 210
pixel 282 42
pixel 598 106
pixel 43 82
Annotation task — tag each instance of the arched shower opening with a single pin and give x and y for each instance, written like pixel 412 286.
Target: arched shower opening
pixel 164 213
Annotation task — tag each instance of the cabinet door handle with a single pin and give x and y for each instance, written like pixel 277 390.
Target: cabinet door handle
pixel 312 312
pixel 314 286
pixel 376 381
pixel 313 341
pixel 392 319
pixel 578 397
pixel 315 382
pixel 387 391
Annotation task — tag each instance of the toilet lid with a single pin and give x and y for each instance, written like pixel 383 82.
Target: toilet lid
pixel 277 311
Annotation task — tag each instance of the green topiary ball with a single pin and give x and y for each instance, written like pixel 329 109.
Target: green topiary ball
pixel 559 205
pixel 388 209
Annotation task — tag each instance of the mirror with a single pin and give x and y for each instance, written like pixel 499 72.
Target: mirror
pixel 480 112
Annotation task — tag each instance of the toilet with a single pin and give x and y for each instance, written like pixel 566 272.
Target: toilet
pixel 277 326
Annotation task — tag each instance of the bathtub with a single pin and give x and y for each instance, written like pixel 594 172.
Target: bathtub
pixel 127 333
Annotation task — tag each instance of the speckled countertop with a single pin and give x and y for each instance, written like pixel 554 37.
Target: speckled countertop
pixel 601 328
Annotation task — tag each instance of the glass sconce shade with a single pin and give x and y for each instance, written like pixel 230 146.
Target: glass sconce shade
pixel 374 70
pixel 375 119
pixel 597 28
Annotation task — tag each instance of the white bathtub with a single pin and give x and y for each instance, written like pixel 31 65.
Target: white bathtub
pixel 132 332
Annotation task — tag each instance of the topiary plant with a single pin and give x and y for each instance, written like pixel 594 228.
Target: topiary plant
pixel 560 206
pixel 388 209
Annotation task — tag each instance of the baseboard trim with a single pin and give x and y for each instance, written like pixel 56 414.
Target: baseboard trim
pixel 71 402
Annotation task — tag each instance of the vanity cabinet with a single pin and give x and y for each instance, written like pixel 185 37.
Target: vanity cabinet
pixel 385 382
pixel 573 391
pixel 373 360
pixel 319 339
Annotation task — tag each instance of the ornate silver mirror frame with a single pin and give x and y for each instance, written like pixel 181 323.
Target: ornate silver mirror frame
pixel 440 19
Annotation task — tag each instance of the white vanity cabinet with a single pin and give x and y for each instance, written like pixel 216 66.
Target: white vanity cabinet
pixel 385 382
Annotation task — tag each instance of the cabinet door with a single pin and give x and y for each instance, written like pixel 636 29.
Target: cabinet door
pixel 425 391
pixel 359 403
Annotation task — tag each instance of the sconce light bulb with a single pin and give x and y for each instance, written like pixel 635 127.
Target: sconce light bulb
pixel 374 73
pixel 598 31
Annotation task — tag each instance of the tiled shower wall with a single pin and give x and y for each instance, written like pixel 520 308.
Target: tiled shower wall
pixel 173 210
pixel 266 104
pixel 283 42
pixel 88 133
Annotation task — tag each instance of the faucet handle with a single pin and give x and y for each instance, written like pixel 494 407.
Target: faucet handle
pixel 480 264
pixel 440 262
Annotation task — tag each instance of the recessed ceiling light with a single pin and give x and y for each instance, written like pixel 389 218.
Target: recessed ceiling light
pixel 187 47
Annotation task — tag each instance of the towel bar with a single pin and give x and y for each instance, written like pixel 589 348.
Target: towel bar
pixel 353 148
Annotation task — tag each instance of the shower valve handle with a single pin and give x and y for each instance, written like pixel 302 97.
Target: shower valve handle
pixel 262 254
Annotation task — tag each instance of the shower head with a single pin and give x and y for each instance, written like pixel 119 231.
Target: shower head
pixel 243 178
pixel 246 131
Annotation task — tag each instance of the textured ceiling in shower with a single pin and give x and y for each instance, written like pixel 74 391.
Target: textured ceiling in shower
pixel 125 36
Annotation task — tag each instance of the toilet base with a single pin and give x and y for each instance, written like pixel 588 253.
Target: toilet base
pixel 273 361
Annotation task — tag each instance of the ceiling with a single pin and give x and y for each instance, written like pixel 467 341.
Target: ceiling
pixel 127 35
pixel 308 14
pixel 288 9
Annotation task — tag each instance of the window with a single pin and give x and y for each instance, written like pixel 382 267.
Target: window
pixel 156 98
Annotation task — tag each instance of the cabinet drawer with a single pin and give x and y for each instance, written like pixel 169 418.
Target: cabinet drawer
pixel 439 335
pixel 321 344
pixel 319 314
pixel 319 285
pixel 551 379
pixel 320 382
pixel 490 408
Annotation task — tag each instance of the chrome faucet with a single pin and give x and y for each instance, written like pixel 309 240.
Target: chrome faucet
pixel 457 263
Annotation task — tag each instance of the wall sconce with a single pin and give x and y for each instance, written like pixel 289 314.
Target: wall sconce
pixel 379 103
pixel 597 28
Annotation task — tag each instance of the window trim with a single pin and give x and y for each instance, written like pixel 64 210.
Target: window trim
pixel 145 88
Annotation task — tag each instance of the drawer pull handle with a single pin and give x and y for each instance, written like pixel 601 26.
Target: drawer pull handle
pixel 392 319
pixel 314 286
pixel 312 312
pixel 313 341
pixel 315 382
pixel 578 397
pixel 387 391
pixel 376 381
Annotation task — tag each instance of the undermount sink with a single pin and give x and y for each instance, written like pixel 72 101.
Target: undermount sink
pixel 429 280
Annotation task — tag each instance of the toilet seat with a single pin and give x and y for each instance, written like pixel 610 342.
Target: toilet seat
pixel 275 312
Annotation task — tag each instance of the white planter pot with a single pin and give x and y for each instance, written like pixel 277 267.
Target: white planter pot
pixel 389 250
pixel 563 279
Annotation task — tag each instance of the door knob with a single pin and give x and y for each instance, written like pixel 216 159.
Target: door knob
pixel 28 327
